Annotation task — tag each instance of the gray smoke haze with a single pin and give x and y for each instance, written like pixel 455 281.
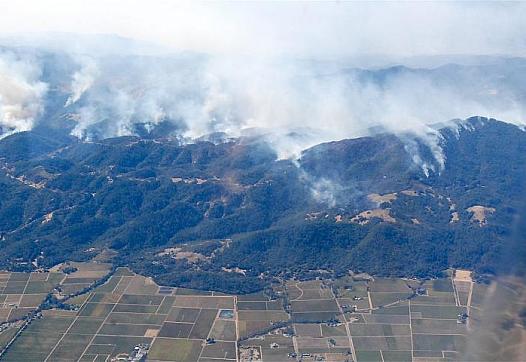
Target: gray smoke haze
pixel 294 104
pixel 82 79
pixel 21 93
pixel 323 30
pixel 295 73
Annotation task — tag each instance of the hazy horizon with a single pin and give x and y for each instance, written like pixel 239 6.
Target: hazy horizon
pixel 327 30
pixel 276 67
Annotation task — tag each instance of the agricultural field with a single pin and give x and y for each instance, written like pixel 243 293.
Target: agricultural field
pixel 126 311
pixel 354 318
pixel 21 293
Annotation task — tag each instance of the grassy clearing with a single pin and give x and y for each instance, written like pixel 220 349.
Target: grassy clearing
pixel 442 285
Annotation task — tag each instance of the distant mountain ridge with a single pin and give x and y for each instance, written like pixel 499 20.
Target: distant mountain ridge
pixel 191 95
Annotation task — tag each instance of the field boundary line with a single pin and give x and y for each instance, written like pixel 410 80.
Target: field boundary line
pixel 441 334
pixel 236 320
pixel 67 330
pixel 455 293
pixel 411 330
pixel 468 307
pixel 100 328
pixel 60 339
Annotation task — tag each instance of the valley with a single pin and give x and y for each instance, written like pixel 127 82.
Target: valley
pixel 354 318
pixel 103 314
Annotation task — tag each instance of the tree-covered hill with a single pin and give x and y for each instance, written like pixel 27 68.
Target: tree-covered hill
pixel 230 216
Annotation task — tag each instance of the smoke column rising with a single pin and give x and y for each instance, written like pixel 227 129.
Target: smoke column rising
pixel 295 105
pixel 21 93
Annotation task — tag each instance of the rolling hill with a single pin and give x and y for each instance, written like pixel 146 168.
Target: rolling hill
pixel 232 216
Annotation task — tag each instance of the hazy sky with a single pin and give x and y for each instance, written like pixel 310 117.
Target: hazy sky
pixel 277 28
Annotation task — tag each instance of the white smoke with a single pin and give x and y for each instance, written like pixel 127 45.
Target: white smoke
pixel 82 79
pixel 294 105
pixel 21 93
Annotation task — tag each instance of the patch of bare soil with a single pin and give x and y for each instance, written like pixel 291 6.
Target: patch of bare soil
pixel 234 270
pixel 314 215
pixel 380 199
pixel 480 213
pixel 190 180
pixel 48 218
pixel 410 193
pixel 366 216
pixel 462 275
pixel 178 254
pixel 455 217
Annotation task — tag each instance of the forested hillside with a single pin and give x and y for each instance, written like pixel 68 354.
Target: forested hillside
pixel 231 216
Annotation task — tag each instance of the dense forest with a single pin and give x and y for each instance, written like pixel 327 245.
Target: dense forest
pixel 231 216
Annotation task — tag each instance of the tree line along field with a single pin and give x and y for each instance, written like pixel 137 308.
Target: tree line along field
pixel 355 318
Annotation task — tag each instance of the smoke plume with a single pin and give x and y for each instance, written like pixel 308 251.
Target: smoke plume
pixel 82 79
pixel 21 93
pixel 293 104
